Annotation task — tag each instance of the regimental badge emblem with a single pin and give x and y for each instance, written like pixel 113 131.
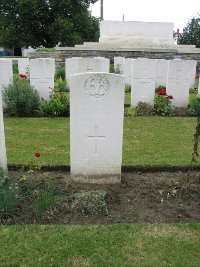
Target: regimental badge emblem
pixel 97 86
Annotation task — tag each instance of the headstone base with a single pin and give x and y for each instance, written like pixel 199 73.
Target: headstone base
pixel 97 179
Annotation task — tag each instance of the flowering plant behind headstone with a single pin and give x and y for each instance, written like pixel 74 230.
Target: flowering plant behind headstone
pixel 162 102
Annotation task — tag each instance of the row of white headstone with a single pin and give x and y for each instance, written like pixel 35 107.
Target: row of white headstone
pixel 144 75
pixel 41 72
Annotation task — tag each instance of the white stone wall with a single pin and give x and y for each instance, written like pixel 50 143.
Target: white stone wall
pixel 136 32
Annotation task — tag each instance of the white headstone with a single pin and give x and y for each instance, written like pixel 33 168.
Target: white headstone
pixel 178 81
pixel 6 72
pixel 161 72
pixel 129 70
pixel 42 71
pixel 96 126
pixel 143 82
pixel 81 65
pixel 3 159
pixel 119 65
pixel 23 65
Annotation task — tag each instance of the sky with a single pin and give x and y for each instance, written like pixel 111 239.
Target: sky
pixel 177 11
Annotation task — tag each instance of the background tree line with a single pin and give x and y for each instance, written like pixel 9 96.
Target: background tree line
pixel 46 23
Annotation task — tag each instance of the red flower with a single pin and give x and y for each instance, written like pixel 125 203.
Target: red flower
pixel 170 97
pixel 37 154
pixel 23 76
pixel 162 92
pixel 197 76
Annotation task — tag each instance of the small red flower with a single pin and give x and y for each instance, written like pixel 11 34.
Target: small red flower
pixel 162 92
pixel 23 76
pixel 37 154
pixel 197 76
pixel 170 97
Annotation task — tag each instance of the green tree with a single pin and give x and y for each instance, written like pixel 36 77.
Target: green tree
pixel 191 33
pixel 45 23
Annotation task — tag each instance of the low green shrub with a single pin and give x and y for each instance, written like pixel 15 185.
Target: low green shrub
pixel 130 111
pixel 21 99
pixel 88 202
pixel 162 103
pixel 60 73
pixel 44 201
pixel 194 106
pixel 180 112
pixel 61 85
pixel 145 109
pixel 58 106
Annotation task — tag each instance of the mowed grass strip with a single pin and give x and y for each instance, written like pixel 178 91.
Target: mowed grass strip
pixel 113 245
pixel 147 141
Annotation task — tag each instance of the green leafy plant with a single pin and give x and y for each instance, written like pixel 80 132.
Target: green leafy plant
pixel 57 106
pixel 130 111
pixel 194 106
pixel 162 103
pixel 15 69
pixel 144 109
pixel 21 99
pixel 60 73
pixel 61 85
pixel 44 201
pixel 88 202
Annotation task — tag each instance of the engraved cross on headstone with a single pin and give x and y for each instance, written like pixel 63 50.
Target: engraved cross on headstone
pixel 96 137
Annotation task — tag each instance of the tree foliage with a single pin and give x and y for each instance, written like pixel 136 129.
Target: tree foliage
pixel 46 23
pixel 191 33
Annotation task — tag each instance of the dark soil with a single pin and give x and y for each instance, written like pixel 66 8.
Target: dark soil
pixel 141 197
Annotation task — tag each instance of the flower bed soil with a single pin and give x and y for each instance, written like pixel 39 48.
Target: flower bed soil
pixel 141 197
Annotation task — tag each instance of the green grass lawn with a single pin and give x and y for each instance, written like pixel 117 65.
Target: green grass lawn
pixel 113 245
pixel 148 141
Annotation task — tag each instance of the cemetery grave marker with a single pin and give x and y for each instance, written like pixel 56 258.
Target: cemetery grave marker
pixel 96 126
pixel 179 80
pixel 42 72
pixel 143 81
